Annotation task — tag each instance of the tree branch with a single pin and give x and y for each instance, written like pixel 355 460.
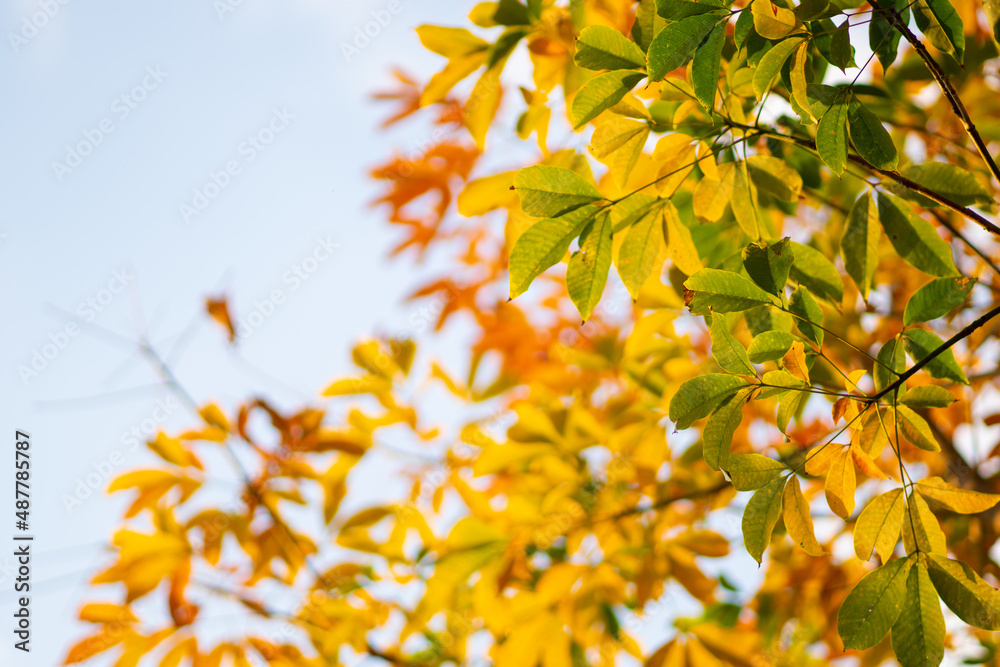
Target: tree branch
pixel 941 349
pixel 894 176
pixel 892 16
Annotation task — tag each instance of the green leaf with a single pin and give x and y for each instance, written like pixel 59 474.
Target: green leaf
pixel 743 201
pixel 918 633
pixel 914 238
pixel 549 192
pixel 927 396
pixel 717 434
pixel 770 346
pixel 673 45
pixel 629 211
pixel 992 9
pixel 972 599
pixel 878 525
pixel 700 395
pixel 883 38
pixel 639 254
pixel 936 298
pixel 841 51
pixel 915 429
pixel 511 12
pixel 921 529
pixel 647 24
pixel 743 28
pixel 728 351
pixel 711 290
pixel 676 10
pixel 770 65
pixel 869 137
pixel 504 45
pixel 941 25
pixel 587 272
pixel 953 182
pixel 752 471
pixel 920 343
pixel 874 605
pixel 775 176
pixel 810 10
pixel 812 269
pixel 808 315
pixel 543 245
pixel 601 93
pixel 831 135
pixel 859 243
pixel 705 66
pixel 776 383
pixel 760 516
pixel 768 265
pixel 890 356
pixel 764 318
pixel 602 47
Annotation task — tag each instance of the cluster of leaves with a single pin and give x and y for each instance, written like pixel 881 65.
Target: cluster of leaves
pixel 808 254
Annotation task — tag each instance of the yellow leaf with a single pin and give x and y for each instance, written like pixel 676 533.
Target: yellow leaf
pixel 93 645
pixel 771 21
pixel 956 499
pixel 841 483
pixel 852 380
pixel 819 459
pixel 171 451
pixel 873 435
pixel 680 244
pixel 456 70
pixel 490 193
pixel 915 429
pixel 106 613
pixel 365 384
pixel 185 648
pixel 213 416
pixel 794 361
pixel 708 165
pixel 921 529
pixel 450 42
pixel 674 154
pixel 878 526
pixel 482 105
pixel 798 518
pixel 671 654
pixel 865 464
pixel 712 195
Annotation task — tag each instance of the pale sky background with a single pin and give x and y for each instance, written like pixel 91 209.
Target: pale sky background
pixel 65 236
pixel 63 240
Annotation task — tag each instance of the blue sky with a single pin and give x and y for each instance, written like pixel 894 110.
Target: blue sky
pixel 254 105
